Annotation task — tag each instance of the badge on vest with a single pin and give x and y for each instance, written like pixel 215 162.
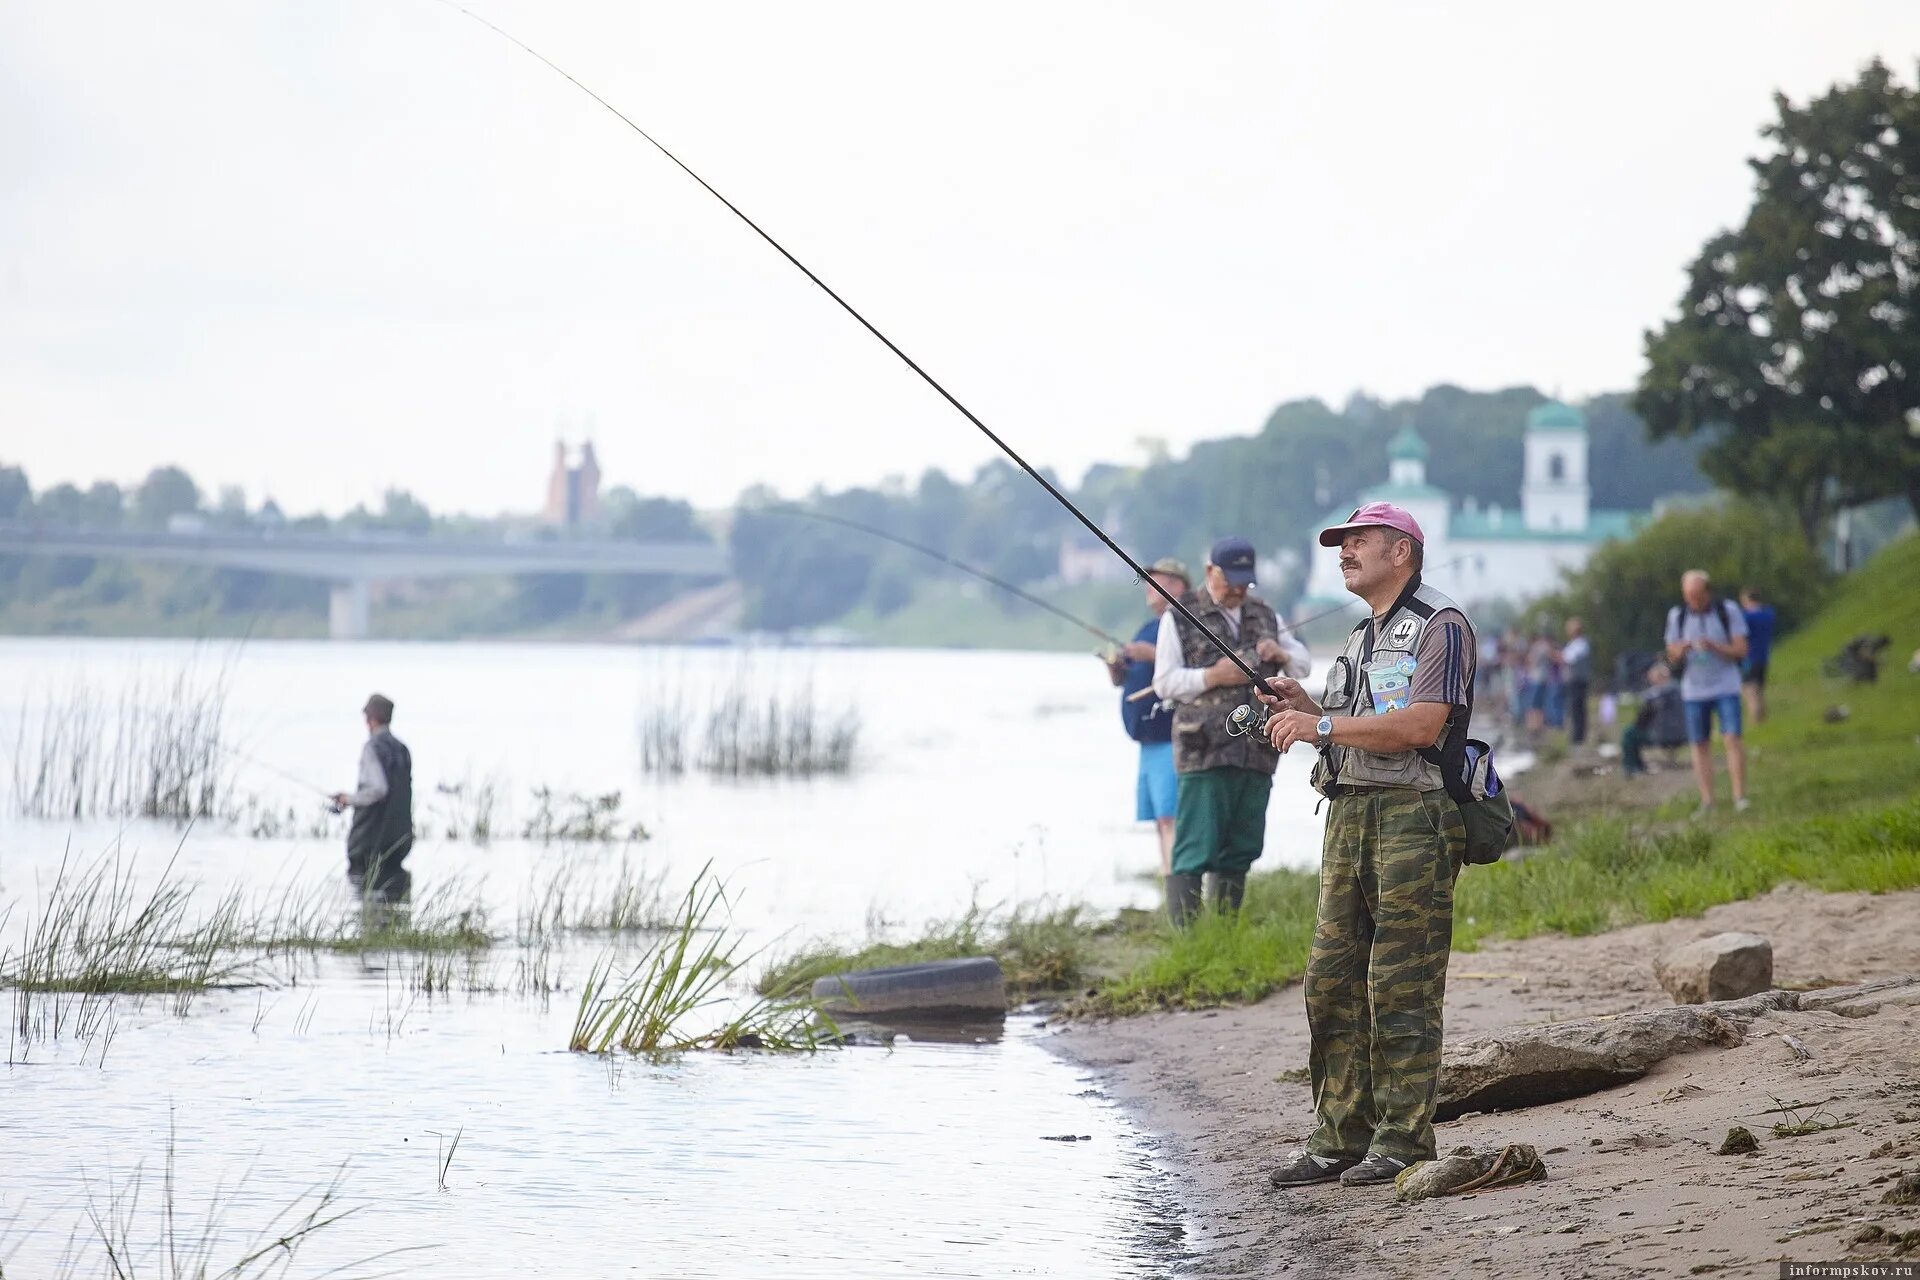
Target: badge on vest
pixel 1390 680
pixel 1400 635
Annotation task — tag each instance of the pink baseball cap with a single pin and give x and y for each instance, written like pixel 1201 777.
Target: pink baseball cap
pixel 1375 513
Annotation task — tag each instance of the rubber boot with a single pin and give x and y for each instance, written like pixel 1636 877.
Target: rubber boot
pixel 1183 899
pixel 1226 890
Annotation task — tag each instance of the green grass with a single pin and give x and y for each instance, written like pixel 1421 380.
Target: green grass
pixel 1836 807
pixel 674 998
pixel 97 932
pixel 1039 950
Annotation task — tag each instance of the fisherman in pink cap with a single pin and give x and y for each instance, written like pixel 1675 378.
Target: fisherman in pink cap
pixel 1391 723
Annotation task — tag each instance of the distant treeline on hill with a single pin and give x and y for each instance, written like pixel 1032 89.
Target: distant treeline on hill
pixel 84 595
pixel 1271 486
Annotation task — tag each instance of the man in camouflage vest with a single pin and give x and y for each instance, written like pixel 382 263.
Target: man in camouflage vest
pixel 1220 821
pixel 1395 707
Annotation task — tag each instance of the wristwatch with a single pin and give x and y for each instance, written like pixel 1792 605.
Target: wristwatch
pixel 1323 727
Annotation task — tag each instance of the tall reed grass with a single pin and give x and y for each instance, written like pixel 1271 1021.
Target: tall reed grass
pixel 97 932
pixel 573 898
pixel 130 1231
pixel 152 749
pixel 750 727
pixel 666 1003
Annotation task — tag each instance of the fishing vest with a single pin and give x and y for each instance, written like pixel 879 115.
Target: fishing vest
pixel 1384 665
pixel 382 832
pixel 1200 737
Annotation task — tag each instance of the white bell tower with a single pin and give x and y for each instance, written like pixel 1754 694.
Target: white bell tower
pixel 1554 495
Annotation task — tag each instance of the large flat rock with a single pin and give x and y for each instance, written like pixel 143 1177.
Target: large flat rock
pixel 1861 1000
pixel 1527 1066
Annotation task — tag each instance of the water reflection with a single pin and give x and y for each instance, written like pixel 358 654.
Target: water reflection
pixel 924 1158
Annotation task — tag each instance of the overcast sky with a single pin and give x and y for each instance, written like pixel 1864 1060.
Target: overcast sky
pixel 315 248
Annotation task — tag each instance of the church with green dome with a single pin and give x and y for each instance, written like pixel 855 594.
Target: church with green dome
pixel 1476 553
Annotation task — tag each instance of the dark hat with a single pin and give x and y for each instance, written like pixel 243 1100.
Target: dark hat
pixel 380 708
pixel 1234 557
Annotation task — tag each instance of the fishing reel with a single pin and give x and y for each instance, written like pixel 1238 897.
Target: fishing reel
pixel 1248 718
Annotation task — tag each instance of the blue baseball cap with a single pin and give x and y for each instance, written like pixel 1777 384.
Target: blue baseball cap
pixel 1234 557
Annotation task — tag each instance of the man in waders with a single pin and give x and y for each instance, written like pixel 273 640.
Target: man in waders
pixel 1396 702
pixel 382 802
pixel 1220 822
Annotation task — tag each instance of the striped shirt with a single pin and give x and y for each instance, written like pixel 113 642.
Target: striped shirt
pixel 1444 660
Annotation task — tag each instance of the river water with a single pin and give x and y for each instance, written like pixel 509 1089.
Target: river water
pixel 1000 779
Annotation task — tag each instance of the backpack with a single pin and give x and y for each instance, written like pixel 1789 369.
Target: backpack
pixel 1473 784
pixel 1676 620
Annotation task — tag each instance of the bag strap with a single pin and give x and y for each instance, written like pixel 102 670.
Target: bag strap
pixel 1459 788
pixel 1404 600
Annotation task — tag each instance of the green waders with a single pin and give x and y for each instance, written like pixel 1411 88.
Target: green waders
pixel 1378 973
pixel 1220 823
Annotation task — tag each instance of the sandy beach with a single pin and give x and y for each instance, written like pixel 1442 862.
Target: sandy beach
pixel 1634 1186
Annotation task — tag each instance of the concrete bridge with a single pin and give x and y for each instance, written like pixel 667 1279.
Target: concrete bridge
pixel 353 563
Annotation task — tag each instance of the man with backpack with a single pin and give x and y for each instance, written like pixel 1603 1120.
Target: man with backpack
pixel 1391 729
pixel 1709 635
pixel 1147 721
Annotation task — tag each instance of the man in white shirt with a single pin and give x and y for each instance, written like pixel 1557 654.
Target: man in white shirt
pixel 1709 635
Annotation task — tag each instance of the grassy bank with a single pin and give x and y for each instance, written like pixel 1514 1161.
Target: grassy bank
pixel 1836 807
pixel 1040 951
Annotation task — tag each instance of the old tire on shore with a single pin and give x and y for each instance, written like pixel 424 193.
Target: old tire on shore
pixel 937 988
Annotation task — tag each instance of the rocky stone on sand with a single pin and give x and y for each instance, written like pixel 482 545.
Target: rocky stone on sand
pixel 1905 1191
pixel 1725 966
pixel 1526 1066
pixel 1530 1065
pixel 1738 1142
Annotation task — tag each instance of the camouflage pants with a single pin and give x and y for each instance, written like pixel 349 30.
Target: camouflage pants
pixel 1378 972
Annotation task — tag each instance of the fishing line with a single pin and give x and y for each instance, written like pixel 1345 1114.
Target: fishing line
pixel 1139 571
pixel 248 758
pixel 961 565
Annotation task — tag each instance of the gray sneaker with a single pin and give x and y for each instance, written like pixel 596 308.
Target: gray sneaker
pixel 1304 1168
pixel 1375 1168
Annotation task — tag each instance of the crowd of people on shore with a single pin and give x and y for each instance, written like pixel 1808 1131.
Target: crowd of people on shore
pixel 1413 798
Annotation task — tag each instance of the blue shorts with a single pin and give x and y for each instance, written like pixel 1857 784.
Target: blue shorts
pixel 1157 795
pixel 1700 716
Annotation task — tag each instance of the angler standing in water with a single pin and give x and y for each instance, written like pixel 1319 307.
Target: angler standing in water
pixel 1220 826
pixel 382 802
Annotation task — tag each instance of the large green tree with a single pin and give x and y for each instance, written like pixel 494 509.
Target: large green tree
pixel 165 493
pixel 1797 346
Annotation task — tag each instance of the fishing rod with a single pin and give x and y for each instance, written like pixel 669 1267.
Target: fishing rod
pixel 1139 570
pixel 246 757
pixel 785 509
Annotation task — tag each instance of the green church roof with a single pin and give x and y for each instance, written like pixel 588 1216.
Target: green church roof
pixel 1510 525
pixel 1407 444
pixel 1554 416
pixel 1400 494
